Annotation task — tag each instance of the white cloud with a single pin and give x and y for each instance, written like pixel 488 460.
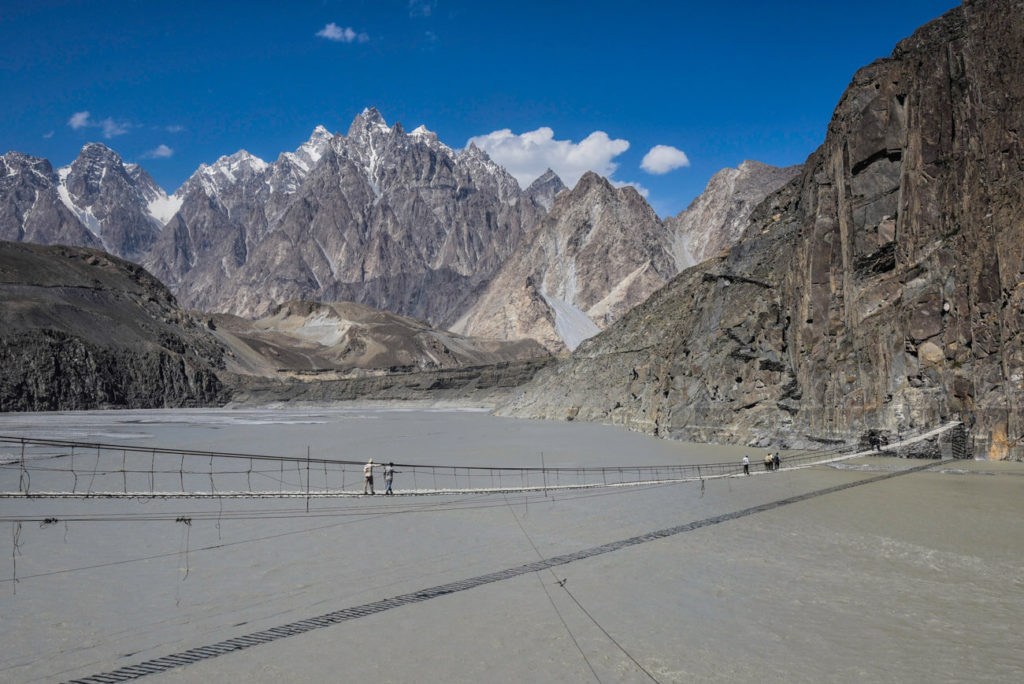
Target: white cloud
pixel 159 152
pixel 174 128
pixel 48 134
pixel 527 156
pixel 79 120
pixel 113 128
pixel 644 192
pixel 342 35
pixel 662 159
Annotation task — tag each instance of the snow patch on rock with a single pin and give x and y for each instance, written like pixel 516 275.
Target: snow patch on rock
pixel 84 215
pixel 163 209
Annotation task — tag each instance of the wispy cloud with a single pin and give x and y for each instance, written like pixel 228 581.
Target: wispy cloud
pixel 111 127
pixel 174 128
pixel 159 152
pixel 79 120
pixel 422 8
pixel 342 35
pixel 48 134
pixel 661 159
pixel 530 154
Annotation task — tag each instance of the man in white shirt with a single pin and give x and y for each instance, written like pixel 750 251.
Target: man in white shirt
pixel 368 476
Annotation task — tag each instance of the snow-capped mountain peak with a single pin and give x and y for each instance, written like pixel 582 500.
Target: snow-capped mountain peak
pixel 226 172
pixel 309 153
pixel 421 132
pixel 239 164
pixel 368 122
pixel 120 204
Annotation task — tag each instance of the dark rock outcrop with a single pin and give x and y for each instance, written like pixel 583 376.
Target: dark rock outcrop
pixel 881 289
pixel 81 329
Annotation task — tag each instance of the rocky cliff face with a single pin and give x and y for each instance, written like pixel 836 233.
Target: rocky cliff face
pixel 716 219
pixel 598 253
pixel 81 329
pixel 881 289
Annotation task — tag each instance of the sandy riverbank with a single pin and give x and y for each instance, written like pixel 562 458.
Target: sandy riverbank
pixel 911 578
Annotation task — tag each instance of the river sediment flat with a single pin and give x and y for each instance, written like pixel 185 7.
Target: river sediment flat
pixel 870 570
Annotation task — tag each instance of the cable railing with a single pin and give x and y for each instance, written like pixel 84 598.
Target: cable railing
pixel 33 467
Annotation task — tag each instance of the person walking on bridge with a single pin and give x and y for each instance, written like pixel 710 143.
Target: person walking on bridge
pixel 389 476
pixel 368 477
pixel 746 465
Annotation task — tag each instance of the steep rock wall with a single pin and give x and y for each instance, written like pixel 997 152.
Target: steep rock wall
pixel 881 289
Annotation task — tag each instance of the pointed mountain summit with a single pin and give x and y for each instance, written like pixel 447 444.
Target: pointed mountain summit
pixel 31 209
pixel 422 132
pixel 716 219
pixel 99 189
pixel 368 118
pixel 545 188
pixel 598 253
pixel 309 153
pixel 368 130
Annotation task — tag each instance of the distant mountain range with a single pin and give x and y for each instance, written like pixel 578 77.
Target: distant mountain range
pixel 392 220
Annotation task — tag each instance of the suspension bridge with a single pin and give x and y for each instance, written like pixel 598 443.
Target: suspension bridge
pixel 32 468
pixel 50 468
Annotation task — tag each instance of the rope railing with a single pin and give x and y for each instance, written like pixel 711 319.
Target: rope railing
pixel 69 469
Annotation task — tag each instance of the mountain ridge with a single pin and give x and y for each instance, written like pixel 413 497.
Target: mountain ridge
pixel 394 220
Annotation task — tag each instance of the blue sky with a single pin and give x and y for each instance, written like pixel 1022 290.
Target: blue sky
pixel 173 85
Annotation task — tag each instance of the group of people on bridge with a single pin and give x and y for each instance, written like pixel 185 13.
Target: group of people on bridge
pixel 771 462
pixel 389 476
